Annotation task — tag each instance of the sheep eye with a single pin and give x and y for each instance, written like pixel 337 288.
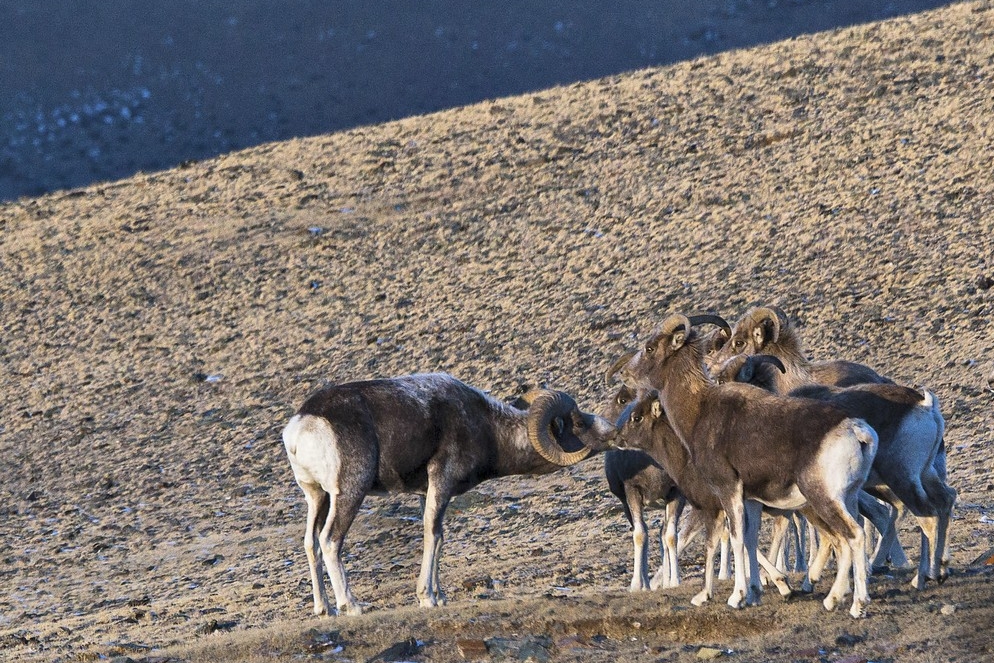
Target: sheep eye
pixel 649 349
pixel 637 418
pixel 738 343
pixel 622 400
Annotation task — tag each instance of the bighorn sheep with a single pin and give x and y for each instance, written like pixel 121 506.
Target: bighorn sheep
pixel 637 478
pixel 910 468
pixel 910 429
pixel 644 427
pixel 762 371
pixel 429 434
pixel 753 448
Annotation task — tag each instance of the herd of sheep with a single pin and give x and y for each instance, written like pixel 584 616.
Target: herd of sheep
pixel 721 423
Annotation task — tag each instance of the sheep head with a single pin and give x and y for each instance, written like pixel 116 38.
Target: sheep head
pixel 755 331
pixel 556 424
pixel 636 429
pixel 676 332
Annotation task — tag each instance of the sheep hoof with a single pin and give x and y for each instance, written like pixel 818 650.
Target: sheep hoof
pixel 830 603
pixel 701 598
pixel 737 600
pixel 432 600
pixel 807 587
pixel 858 609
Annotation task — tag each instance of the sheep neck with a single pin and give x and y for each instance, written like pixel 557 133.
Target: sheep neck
pixel 683 385
pixel 515 453
pixel 789 350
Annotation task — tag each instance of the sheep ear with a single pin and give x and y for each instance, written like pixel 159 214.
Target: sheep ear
pixel 656 408
pixel 678 339
pixel 760 336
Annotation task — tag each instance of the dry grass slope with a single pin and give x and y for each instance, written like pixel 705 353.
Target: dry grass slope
pixel 158 331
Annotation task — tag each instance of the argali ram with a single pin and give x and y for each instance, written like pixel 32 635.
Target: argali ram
pixel 428 434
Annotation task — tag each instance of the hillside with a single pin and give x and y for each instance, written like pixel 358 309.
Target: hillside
pixel 158 332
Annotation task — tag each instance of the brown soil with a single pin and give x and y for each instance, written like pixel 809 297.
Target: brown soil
pixel 159 331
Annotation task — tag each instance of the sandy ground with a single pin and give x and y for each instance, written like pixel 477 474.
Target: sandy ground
pixel 159 331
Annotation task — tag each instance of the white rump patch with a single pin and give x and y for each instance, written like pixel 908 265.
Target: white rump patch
pixel 312 448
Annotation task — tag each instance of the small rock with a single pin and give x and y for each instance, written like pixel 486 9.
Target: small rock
pixel 213 626
pixel 472 649
pixel 399 651
pixel 253 540
pixel 848 640
pixel 948 609
pixel 478 582
pixel 809 653
pixel 212 560
pixel 709 653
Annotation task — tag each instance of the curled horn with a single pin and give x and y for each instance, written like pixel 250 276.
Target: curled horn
pixel 742 368
pixel 674 322
pixel 757 360
pixel 617 366
pixel 526 396
pixel 750 365
pixel 774 314
pixel 545 408
pixel 709 319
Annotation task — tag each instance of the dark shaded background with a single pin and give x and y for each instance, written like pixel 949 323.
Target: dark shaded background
pixel 99 89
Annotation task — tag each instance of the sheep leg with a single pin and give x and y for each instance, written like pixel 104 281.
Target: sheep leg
pixel 668 574
pixel 640 544
pixel 342 510
pixel 926 511
pixel 800 533
pixel 857 547
pixel 944 497
pixel 715 529
pixel 673 511
pixel 428 590
pixel 823 543
pixel 735 510
pixel 753 520
pixel 778 542
pixel 690 527
pixel 774 574
pixel 884 519
pixel 841 518
pixel 317 512
pixel 724 570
